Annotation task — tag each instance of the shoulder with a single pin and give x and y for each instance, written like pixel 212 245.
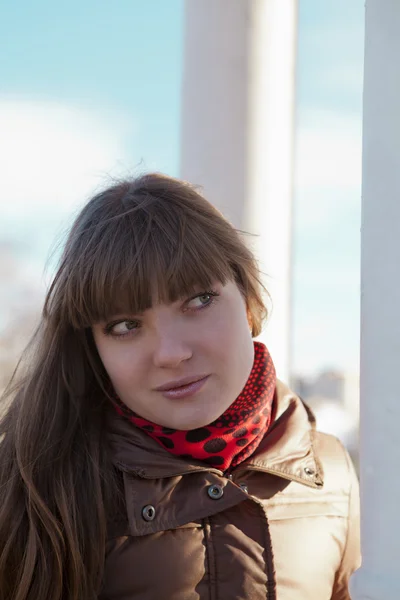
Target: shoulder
pixel 294 420
pixel 341 482
pixel 337 466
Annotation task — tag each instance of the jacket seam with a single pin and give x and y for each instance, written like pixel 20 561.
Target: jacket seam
pixel 348 505
pixel 296 499
pixel 308 516
pixel 269 556
pixel 211 560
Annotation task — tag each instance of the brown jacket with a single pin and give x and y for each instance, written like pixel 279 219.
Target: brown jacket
pixel 285 526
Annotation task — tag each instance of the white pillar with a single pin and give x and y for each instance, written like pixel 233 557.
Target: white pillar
pixel 237 131
pixel 379 576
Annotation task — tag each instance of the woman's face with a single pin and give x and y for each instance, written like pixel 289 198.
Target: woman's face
pixel 180 365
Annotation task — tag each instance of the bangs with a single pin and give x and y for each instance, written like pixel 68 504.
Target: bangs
pixel 155 252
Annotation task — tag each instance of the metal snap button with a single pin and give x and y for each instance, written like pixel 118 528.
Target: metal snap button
pixel 309 471
pixel 244 487
pixel 148 512
pixel 215 492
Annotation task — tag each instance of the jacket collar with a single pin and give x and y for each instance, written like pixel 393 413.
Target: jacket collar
pixel 287 450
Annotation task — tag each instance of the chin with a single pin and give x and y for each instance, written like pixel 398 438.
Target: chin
pixel 190 424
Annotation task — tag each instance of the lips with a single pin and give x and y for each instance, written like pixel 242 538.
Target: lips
pixel 178 383
pixel 183 388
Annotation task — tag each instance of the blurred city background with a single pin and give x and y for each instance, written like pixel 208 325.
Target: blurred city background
pixel 93 90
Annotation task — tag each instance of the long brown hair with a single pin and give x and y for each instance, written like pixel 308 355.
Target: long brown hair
pixel 57 482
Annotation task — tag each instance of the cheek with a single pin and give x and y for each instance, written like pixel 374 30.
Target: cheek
pixel 231 340
pixel 119 363
pixel 233 323
pixel 237 342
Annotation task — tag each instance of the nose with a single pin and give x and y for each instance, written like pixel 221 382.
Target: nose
pixel 170 350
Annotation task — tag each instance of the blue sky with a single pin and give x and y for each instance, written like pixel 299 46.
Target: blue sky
pixel 92 89
pixel 124 58
pixel 328 184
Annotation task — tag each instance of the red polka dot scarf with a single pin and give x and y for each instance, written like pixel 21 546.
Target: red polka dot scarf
pixel 236 434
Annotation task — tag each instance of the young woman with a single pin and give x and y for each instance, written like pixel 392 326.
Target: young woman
pixel 148 451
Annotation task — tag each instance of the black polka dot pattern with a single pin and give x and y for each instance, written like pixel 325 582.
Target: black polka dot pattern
pixel 198 435
pixel 241 442
pixel 239 432
pixel 215 445
pixel 167 442
pixel 235 435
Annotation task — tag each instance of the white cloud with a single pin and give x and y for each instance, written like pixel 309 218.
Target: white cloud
pixel 328 187
pixel 324 341
pixel 53 155
pixel 345 275
pixel 326 268
pixel 328 151
pixel 348 77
